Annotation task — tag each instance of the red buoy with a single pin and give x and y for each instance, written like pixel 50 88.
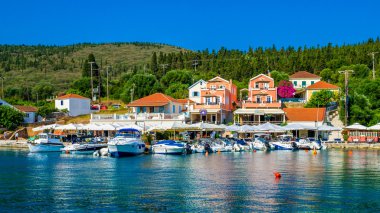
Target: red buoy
pixel 277 174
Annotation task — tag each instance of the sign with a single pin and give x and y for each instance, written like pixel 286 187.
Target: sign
pixel 203 112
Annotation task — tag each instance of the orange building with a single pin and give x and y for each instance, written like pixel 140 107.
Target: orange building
pixel 218 99
pixel 262 104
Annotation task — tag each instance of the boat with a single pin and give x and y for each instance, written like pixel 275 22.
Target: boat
pixel 241 146
pixel 83 148
pixel 261 142
pixel 284 142
pixel 45 142
pixel 169 147
pixel 221 145
pixel 127 142
pixel 307 144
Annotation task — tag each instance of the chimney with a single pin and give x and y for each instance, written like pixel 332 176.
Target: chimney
pixel 269 73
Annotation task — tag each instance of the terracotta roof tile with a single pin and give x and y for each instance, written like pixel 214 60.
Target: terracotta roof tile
pixel 184 101
pixel 303 74
pixel 26 108
pixel 304 114
pixel 322 85
pixel 156 99
pixel 68 96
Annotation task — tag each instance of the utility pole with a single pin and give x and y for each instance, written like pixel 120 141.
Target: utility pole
pixel 346 75
pixel 2 87
pixel 195 64
pixel 132 91
pixel 373 63
pixel 164 68
pixel 92 84
pixel 108 67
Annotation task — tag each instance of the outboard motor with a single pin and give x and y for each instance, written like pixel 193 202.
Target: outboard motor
pixel 188 149
pixel 294 145
pixel 208 148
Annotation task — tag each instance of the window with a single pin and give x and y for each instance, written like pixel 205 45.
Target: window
pixel 143 109
pixel 303 83
pixel 258 99
pixel 217 100
pixel 151 109
pixel 213 87
pixel 179 109
pixel 173 108
pixel 266 85
pixel 257 85
pixel 295 83
pixel 312 82
pixel 269 99
pixel 221 87
pixel 195 94
pixel 207 100
pixel 161 109
pixel 27 115
pixel 61 102
pixel 138 109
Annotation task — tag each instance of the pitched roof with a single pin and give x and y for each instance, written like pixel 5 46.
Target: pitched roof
pixel 69 96
pixel 26 108
pixel 218 79
pixel 184 101
pixel 322 85
pixel 304 114
pixel 156 99
pixel 261 75
pixel 203 81
pixel 303 75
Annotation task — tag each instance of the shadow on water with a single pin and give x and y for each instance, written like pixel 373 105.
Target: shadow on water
pixel 327 181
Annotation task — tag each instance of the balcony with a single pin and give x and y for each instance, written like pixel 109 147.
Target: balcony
pixel 209 105
pixel 262 104
pixel 135 117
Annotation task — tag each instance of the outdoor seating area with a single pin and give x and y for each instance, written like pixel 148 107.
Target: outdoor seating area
pixel 358 133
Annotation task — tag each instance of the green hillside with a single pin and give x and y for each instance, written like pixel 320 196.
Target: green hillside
pixel 25 66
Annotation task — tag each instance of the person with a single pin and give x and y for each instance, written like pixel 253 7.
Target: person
pixel 16 136
pixel 5 135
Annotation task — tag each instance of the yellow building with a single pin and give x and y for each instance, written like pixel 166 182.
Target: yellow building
pixel 320 85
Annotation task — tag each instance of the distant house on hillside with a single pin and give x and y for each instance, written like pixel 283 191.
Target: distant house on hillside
pixel 303 79
pixel 157 103
pixel 30 113
pixel 75 104
pixel 321 85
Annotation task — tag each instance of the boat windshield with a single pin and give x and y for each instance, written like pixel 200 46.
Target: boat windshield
pixel 128 133
pixel 43 136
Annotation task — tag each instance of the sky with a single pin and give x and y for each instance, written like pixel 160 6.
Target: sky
pixel 194 24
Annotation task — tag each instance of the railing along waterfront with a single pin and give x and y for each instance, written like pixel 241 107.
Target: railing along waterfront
pixel 136 116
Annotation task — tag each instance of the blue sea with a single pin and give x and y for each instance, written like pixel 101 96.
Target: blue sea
pixel 332 180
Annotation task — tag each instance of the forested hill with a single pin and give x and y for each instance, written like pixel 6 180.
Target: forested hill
pixel 24 67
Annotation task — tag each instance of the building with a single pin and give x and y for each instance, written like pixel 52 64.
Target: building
pixel 75 104
pixel 262 104
pixel 321 85
pixel 303 79
pixel 311 117
pixel 195 91
pixel 4 103
pixel 30 113
pixel 218 98
pixel 151 110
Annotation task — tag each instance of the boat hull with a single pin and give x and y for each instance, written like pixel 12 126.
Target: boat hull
pixel 45 147
pixel 126 150
pixel 169 150
pixel 83 149
pixel 283 146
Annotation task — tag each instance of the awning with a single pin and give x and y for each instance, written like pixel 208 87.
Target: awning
pixel 259 111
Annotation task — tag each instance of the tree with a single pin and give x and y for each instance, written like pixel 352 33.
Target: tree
pixel 285 89
pixel 86 71
pixel 141 85
pixel 153 64
pixel 81 87
pixel 321 99
pixel 42 90
pixel 10 118
pixel 279 76
pixel 46 110
pixel 176 76
pixel 177 90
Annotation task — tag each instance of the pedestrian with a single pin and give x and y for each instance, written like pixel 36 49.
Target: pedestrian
pixel 16 136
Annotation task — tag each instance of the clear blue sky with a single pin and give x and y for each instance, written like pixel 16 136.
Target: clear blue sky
pixel 195 24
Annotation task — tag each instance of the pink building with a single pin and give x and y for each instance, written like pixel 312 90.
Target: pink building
pixel 262 104
pixel 218 98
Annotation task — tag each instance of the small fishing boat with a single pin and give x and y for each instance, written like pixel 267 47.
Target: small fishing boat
pixel 169 147
pixel 127 142
pixel 84 148
pixel 45 142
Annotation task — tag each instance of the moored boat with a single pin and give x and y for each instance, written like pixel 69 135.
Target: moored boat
pixel 127 142
pixel 284 143
pixel 45 142
pixel 85 148
pixel 169 147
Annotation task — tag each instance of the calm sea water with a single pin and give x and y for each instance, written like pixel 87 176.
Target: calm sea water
pixel 329 181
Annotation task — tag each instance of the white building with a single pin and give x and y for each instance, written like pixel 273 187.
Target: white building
pixel 303 79
pixel 30 113
pixel 75 104
pixel 195 91
pixel 4 103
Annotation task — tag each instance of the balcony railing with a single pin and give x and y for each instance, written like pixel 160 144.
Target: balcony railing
pixel 136 117
pixel 295 100
pixel 257 122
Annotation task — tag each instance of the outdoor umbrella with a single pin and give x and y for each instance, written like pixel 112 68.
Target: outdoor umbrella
pixel 269 127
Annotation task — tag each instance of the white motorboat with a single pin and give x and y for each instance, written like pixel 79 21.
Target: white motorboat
pixel 306 144
pixel 127 142
pixel 241 146
pixel 198 148
pixel 261 142
pixel 285 143
pixel 169 147
pixel 221 145
pixel 84 148
pixel 45 142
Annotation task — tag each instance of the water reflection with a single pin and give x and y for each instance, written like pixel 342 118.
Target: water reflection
pixel 328 181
